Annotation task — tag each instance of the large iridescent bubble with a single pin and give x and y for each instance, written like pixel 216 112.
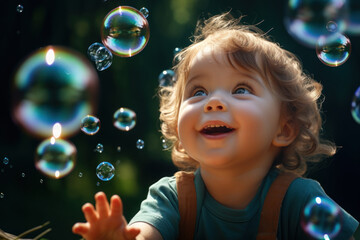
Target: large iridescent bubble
pixel 54 84
pixel 306 20
pixel 125 31
pixel 333 51
pixel 55 157
pixel 321 218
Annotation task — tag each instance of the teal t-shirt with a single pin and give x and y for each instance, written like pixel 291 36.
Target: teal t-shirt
pixel 215 221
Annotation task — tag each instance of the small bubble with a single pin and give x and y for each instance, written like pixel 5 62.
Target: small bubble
pixel 117 163
pixel 331 26
pixel 2 195
pixel 164 143
pixel 140 144
pixel 176 58
pixel 41 180
pixel 103 59
pixel 144 12
pixel 92 50
pixel 105 171
pixel 333 51
pixel 124 119
pixel 20 8
pixel 167 78
pixel 99 148
pixel 97 184
pixel 80 174
pixel 118 148
pixel 90 125
pixel 22 174
pixel 5 160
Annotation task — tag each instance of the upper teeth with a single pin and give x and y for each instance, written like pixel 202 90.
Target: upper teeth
pixel 213 126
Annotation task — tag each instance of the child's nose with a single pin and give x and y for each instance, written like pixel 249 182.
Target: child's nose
pixel 215 103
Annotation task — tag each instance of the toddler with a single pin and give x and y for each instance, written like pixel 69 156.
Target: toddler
pixel 241 113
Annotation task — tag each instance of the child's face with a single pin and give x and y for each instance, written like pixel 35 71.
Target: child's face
pixel 227 116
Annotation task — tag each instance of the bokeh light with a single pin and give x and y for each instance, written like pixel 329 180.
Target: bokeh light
pixel 105 171
pixel 124 119
pixel 55 159
pixel 125 31
pixel 353 19
pixel 321 218
pixel 306 20
pixel 355 106
pixel 333 51
pixel 54 84
pixel 90 125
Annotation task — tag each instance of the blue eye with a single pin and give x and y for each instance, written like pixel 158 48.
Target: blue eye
pixel 199 93
pixel 241 90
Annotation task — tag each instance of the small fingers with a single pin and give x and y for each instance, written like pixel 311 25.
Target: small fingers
pixel 80 228
pixel 90 213
pixel 116 206
pixel 102 205
pixel 131 232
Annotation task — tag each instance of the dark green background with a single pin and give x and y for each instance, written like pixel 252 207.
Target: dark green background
pixel 132 83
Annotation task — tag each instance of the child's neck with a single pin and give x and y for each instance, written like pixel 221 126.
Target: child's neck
pixel 231 188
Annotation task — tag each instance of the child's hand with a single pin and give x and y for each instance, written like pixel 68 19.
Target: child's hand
pixel 105 222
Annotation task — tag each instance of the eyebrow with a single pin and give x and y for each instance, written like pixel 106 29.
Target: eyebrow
pixel 244 72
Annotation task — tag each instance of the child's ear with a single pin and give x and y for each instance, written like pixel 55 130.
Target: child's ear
pixel 286 134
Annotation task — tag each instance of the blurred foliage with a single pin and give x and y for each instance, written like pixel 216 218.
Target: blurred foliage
pixel 132 82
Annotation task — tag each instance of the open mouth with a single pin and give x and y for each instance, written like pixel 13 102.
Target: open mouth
pixel 216 130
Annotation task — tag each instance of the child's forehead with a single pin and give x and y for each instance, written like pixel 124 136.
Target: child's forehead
pixel 208 55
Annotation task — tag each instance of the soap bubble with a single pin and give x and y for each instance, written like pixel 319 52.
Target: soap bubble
pixel 331 26
pixel 306 20
pixel 54 84
pixel 167 78
pixel 2 195
pixel 103 59
pixel 20 8
pixel 164 143
pixel 56 159
pixel 90 125
pixel 6 161
pixel 144 11
pixel 105 171
pixel 125 31
pixel 355 106
pixel 99 148
pixel 124 119
pixel 176 59
pixel 92 50
pixel 321 218
pixel 140 144
pixel 333 51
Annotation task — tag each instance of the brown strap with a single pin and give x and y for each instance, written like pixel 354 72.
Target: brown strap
pixel 271 208
pixel 187 204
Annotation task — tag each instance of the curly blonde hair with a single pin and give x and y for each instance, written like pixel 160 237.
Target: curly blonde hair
pixel 248 47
